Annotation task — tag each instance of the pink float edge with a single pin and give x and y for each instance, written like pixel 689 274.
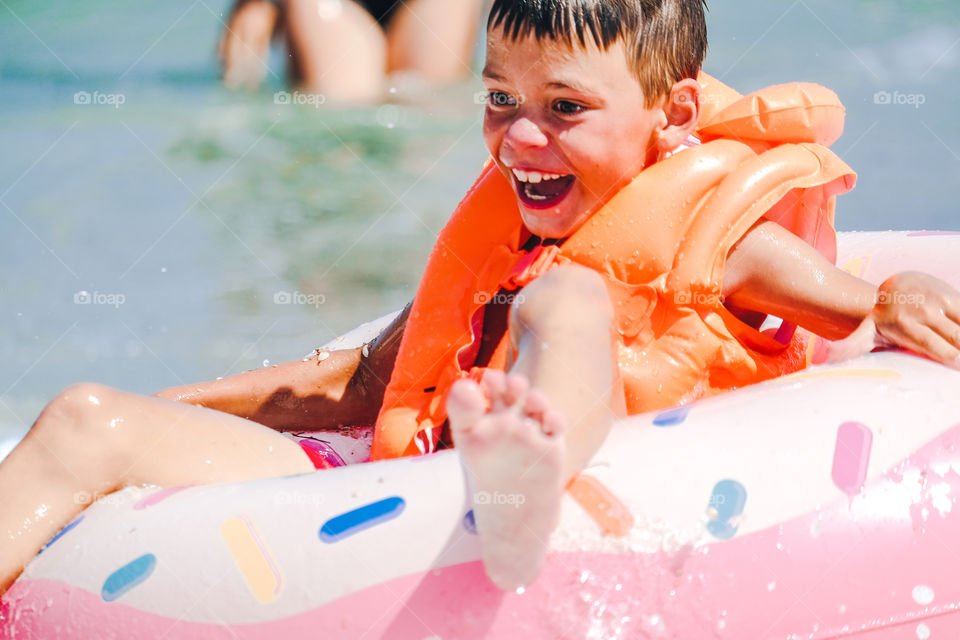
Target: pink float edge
pixel 817 575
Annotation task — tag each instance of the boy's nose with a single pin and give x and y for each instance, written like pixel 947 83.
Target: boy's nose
pixel 524 133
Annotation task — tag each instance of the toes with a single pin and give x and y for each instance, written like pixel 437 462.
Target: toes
pixel 504 391
pixel 535 405
pixel 517 388
pixel 494 383
pixel 554 423
pixel 466 404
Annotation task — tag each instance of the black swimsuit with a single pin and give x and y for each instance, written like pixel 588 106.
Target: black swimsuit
pixel 381 10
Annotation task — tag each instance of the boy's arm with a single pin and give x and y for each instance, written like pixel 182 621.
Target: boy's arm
pixel 773 271
pixel 346 388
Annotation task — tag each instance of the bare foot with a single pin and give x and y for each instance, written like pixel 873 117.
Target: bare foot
pixel 513 453
pixel 245 44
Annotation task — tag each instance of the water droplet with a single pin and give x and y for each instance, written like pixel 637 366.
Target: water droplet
pixel 520 590
pixel 923 631
pixel 922 594
pixel 771 585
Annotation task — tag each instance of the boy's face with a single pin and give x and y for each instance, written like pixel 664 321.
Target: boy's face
pixel 568 128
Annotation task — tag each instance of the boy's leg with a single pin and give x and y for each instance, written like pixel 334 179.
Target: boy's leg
pixel 94 440
pixel 339 50
pixel 520 453
pixel 434 38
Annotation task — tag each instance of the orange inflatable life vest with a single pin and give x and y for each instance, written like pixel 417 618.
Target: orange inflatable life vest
pixel 661 245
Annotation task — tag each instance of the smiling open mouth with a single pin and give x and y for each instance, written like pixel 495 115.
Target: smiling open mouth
pixel 541 190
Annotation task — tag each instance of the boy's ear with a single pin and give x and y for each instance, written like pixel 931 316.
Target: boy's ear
pixel 681 108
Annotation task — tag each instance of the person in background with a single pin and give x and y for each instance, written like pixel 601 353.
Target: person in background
pixel 347 50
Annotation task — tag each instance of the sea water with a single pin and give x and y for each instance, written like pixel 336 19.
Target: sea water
pixel 156 229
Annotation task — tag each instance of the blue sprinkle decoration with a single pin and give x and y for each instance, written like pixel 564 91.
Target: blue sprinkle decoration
pixel 63 532
pixel 128 576
pixel 469 523
pixel 353 522
pixel 672 417
pixel 728 499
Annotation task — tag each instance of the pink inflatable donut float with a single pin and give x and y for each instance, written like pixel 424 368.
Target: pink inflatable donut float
pixel 820 505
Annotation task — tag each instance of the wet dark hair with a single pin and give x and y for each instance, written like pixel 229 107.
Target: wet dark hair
pixel 666 40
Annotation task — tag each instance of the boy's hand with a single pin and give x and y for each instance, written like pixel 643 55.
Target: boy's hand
pixel 919 312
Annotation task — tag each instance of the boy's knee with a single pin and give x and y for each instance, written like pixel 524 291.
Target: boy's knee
pixel 568 292
pixel 73 407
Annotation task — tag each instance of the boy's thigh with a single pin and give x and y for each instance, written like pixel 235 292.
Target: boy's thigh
pixel 150 440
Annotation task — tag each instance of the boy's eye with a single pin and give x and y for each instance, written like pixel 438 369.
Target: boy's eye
pixel 568 108
pixel 501 99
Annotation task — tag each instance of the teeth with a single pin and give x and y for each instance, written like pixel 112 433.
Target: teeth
pixel 534 177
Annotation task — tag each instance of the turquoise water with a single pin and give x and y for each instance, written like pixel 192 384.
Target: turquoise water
pixel 189 215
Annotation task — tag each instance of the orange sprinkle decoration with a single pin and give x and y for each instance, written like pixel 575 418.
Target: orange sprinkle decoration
pixel 606 509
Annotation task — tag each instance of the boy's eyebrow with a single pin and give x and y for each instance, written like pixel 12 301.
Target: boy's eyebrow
pixel 573 86
pixel 493 75
pixel 556 84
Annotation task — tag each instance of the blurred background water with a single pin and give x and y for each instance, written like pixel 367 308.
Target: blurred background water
pixel 191 232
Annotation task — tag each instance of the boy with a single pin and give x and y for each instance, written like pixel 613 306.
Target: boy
pixel 587 99
pixel 585 96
